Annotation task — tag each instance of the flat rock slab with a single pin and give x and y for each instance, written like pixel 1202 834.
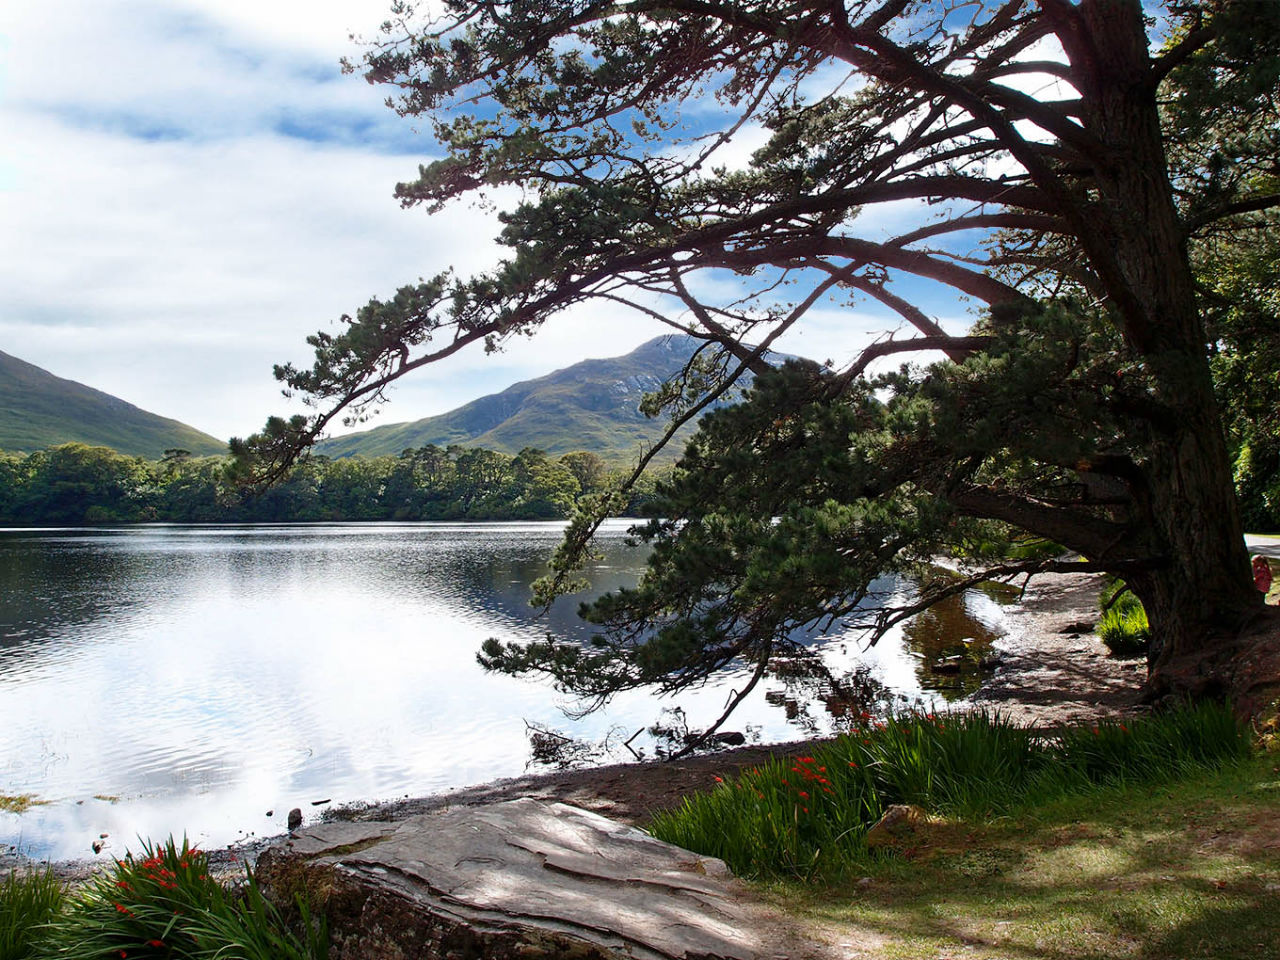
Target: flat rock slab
pixel 517 879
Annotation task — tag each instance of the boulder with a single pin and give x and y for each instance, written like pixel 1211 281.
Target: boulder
pixel 516 879
pixel 898 827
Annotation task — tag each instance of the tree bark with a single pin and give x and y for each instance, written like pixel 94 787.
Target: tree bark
pixel 1200 600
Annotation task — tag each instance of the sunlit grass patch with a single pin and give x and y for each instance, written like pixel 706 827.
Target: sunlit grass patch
pixel 1181 869
pixel 1124 627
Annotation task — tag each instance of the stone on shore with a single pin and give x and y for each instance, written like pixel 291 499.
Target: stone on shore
pixel 899 826
pixel 517 879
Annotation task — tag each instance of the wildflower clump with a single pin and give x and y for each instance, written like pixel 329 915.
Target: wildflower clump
pixel 165 903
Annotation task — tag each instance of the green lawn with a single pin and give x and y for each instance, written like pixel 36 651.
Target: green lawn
pixel 1179 871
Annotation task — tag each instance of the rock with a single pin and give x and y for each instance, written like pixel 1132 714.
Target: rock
pixel 731 738
pixel 295 819
pixel 1077 626
pixel 945 666
pixel 899 826
pixel 519 879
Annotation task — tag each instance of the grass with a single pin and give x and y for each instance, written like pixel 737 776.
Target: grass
pixel 1184 869
pixel 1124 627
pixel 810 819
pixel 162 904
pixel 27 903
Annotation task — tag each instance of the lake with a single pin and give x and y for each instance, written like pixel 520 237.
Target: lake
pixel 171 679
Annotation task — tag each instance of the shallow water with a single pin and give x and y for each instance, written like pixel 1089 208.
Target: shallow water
pixel 170 679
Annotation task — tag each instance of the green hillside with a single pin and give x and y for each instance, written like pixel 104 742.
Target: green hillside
pixel 39 410
pixel 592 405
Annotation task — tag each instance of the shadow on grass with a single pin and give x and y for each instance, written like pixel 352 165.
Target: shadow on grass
pixel 1184 872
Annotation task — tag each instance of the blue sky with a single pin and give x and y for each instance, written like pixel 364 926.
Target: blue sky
pixel 188 188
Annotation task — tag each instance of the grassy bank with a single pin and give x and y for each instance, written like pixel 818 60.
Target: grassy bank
pixel 811 818
pixel 1187 869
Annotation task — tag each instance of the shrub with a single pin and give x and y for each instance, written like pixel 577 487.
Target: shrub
pixel 165 904
pixel 1123 627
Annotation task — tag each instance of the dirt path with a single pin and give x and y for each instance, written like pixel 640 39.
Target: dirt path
pixel 1054 669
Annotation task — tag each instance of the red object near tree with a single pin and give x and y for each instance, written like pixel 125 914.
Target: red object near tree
pixel 1262 574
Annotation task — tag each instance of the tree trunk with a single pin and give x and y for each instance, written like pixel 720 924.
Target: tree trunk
pixel 1204 610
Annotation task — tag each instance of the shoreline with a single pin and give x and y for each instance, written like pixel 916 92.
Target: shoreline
pixel 1053 670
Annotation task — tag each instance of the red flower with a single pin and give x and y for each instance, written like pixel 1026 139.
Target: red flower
pixel 803 794
pixel 155 943
pixel 806 759
pixel 719 780
pixel 852 764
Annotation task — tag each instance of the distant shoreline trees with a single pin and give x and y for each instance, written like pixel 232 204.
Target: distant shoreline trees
pixel 76 484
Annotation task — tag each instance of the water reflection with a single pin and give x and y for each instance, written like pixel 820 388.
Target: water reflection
pixel 170 679
pixel 953 641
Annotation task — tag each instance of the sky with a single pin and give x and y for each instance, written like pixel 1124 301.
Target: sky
pixel 188 188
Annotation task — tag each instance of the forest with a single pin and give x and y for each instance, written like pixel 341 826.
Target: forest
pixel 78 484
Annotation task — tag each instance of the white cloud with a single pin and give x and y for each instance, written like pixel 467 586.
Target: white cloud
pixel 203 263
pixel 190 188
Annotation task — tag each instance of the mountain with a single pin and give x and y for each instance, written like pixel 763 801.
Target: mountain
pixel 592 405
pixel 39 410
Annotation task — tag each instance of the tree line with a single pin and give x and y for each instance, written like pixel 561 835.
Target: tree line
pixel 77 484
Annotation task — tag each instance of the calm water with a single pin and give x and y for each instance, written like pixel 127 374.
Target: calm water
pixel 168 679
